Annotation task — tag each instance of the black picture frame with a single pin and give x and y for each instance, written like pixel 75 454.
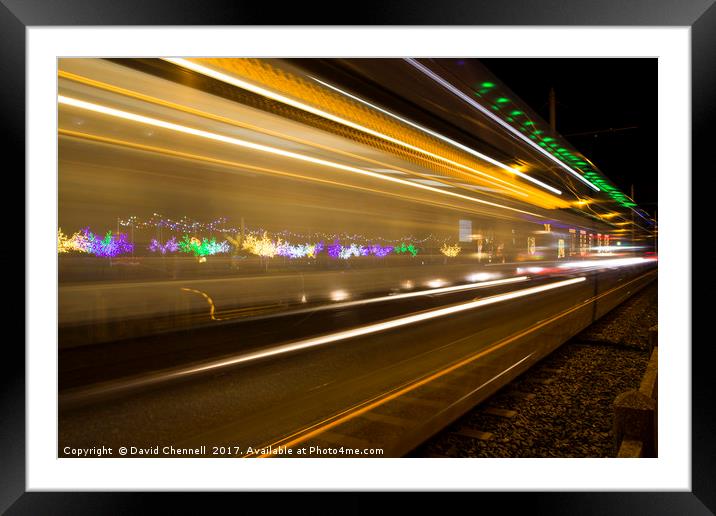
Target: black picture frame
pixel 17 15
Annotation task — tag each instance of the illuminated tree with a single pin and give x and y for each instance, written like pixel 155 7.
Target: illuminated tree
pixel 352 250
pixel 78 242
pixel 451 251
pixel 298 251
pixel 406 248
pixel 334 249
pixel 338 251
pixel 109 246
pixel 379 250
pixel 171 246
pixel 202 248
pixel 264 246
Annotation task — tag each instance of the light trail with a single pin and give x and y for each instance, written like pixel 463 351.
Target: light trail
pixel 445 139
pixel 246 166
pixel 353 412
pixel 212 307
pixel 235 81
pixel 174 374
pixel 267 149
pixel 359 411
pixel 376 327
pixel 262 130
pixel 445 84
pixel 77 395
pixel 617 262
pixel 340 295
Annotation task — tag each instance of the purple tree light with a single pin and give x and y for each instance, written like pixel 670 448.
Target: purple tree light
pixel 334 250
pixel 110 246
pixel 380 251
pixel 171 246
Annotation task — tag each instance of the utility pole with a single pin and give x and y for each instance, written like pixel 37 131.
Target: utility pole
pixel 552 110
pixel 632 219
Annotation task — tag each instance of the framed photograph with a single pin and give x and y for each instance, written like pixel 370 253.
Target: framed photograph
pixel 262 235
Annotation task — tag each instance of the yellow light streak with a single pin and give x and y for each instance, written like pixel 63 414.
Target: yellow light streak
pixel 460 94
pixel 375 327
pixel 353 412
pixel 244 125
pixel 235 81
pixel 513 170
pixel 339 296
pixel 253 168
pixel 208 299
pixel 265 148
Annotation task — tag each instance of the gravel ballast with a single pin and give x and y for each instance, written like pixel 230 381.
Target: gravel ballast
pixel 571 413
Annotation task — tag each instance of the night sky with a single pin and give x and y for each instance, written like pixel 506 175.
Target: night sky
pixel 606 108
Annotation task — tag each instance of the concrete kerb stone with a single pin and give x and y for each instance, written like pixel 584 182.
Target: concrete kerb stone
pixel 653 338
pixel 649 382
pixel 635 415
pixel 634 420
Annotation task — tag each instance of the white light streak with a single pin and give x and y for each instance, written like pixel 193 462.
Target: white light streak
pixel 619 262
pixel 531 270
pixel 482 276
pixel 445 139
pixel 325 339
pixel 339 295
pixel 497 119
pixel 235 81
pixel 378 327
pixel 265 148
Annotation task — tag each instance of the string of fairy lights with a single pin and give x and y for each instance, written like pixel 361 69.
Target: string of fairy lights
pixel 256 241
pixel 221 225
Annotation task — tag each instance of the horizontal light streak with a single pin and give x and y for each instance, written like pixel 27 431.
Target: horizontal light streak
pixel 531 270
pixel 244 166
pixel 235 81
pixel 133 383
pixel 267 149
pixel 377 327
pixel 441 290
pixel 444 138
pixel 263 130
pixel 497 119
pixel 339 296
pixel 619 262
pixel 348 414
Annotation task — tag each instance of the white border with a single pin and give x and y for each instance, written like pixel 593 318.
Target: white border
pixel 670 471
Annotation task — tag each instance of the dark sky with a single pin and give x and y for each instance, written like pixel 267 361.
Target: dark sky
pixel 613 101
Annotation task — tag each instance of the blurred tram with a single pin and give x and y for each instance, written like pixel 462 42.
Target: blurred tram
pixel 195 187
